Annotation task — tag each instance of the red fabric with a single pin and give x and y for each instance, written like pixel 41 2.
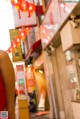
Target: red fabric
pixel 39 10
pixel 2 94
pixel 33 48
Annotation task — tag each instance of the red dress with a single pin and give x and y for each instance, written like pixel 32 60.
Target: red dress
pixel 2 94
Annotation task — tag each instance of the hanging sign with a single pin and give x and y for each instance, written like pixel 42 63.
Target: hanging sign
pixel 20 74
pixel 55 17
pixel 17 52
pixel 30 79
pixel 24 18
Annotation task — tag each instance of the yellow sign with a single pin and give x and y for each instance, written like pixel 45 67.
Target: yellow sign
pixel 17 52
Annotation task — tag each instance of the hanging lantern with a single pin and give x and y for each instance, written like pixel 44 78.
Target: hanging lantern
pixel 22 33
pixel 14 45
pixel 17 6
pixel 31 8
pixel 27 29
pixel 17 41
pixel 24 6
pixel 14 2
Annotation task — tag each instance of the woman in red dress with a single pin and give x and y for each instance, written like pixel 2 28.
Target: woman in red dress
pixel 7 85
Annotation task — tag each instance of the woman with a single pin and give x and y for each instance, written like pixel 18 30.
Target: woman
pixel 7 85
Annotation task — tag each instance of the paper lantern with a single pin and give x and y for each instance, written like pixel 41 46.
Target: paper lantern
pixel 14 2
pixel 27 29
pixel 22 33
pixel 31 8
pixel 17 41
pixel 24 6
pixel 14 45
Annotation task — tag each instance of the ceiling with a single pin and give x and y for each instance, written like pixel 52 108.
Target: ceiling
pixel 76 11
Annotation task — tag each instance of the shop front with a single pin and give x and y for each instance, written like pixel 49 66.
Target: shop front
pixel 35 79
pixel 41 85
pixel 60 65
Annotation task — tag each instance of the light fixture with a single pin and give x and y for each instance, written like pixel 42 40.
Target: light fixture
pixel 29 66
pixel 41 71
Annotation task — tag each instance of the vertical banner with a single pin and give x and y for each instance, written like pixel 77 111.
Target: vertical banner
pixel 20 74
pixel 30 79
pixel 17 52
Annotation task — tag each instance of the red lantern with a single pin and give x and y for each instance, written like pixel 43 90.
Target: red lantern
pixel 14 45
pixel 24 6
pixel 16 3
pixel 27 29
pixel 17 41
pixel 22 33
pixel 31 8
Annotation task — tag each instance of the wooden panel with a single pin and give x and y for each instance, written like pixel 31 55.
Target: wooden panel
pixel 76 110
pixel 70 36
pixel 23 109
pixel 24 114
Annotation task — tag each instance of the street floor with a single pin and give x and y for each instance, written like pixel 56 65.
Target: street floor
pixel 33 116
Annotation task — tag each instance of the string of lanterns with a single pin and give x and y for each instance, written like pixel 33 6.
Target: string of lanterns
pixel 16 42
pixel 24 6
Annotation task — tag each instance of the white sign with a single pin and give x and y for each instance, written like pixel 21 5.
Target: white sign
pixel 24 19
pixel 54 19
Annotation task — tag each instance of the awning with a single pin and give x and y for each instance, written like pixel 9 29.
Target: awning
pixel 36 47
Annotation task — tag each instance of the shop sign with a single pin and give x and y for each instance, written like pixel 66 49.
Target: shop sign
pixel 55 17
pixel 30 79
pixel 17 52
pixel 20 74
pixel 24 19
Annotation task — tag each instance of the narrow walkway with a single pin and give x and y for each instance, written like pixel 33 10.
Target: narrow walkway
pixel 40 117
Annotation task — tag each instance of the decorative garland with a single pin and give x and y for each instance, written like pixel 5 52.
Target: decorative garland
pixel 24 6
pixel 16 42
